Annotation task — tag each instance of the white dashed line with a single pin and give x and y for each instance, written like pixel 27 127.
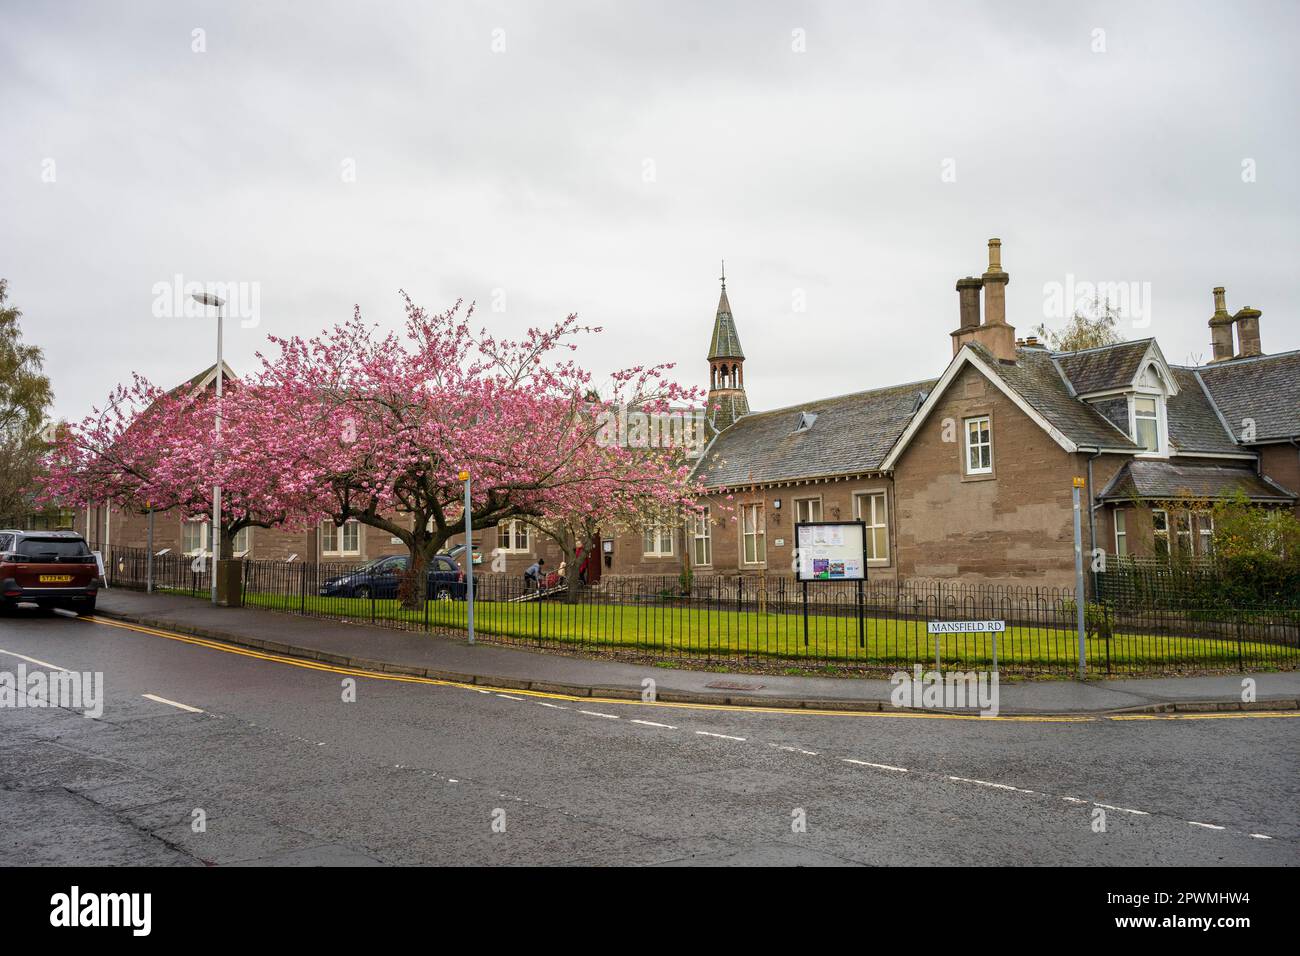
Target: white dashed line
pixel 1107 806
pixel 32 660
pixel 877 766
pixel 172 703
pixel 785 747
pixel 989 783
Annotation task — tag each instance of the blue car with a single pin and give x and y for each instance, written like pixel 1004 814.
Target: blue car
pixel 382 577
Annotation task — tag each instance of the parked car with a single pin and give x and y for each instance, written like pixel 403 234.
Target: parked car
pixel 51 569
pixel 382 578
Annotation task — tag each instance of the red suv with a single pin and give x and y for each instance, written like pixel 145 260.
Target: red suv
pixel 48 568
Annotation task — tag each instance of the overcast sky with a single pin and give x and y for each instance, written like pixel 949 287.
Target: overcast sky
pixel 848 160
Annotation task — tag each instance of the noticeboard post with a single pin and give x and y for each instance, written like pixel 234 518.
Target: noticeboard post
pixel 829 551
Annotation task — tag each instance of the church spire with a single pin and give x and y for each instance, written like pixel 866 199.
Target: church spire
pixel 725 342
pixel 727 400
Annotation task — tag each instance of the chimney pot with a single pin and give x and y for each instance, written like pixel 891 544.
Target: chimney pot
pixel 1247 322
pixel 995 255
pixel 968 293
pixel 1220 328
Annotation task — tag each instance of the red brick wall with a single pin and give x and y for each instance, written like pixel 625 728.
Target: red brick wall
pixel 1282 464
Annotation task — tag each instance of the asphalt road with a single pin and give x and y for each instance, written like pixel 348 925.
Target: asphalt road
pixel 285 771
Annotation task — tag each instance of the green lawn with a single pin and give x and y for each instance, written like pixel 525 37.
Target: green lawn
pixel 676 630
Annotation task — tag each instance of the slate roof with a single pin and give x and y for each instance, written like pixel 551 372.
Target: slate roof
pixel 1156 478
pixel 1194 425
pixel 1264 388
pixel 726 408
pixel 725 342
pixel 851 435
pixel 1102 368
pixel 1036 378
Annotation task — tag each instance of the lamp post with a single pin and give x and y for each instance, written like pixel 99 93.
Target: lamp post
pixel 208 298
pixel 469 560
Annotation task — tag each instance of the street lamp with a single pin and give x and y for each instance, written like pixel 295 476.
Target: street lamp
pixel 208 298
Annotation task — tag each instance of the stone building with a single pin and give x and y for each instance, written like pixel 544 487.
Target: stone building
pixel 966 476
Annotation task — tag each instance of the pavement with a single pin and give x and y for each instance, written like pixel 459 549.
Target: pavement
pixel 419 654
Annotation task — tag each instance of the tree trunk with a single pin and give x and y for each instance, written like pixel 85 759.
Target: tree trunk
pixel 414 589
pixel 228 543
pixel 572 570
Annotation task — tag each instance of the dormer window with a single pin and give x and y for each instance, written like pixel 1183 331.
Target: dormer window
pixel 806 420
pixel 1146 423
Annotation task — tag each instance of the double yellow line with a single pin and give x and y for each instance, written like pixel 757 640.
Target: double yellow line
pixel 733 708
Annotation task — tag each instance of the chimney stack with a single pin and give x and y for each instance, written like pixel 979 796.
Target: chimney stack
pixel 995 287
pixel 994 333
pixel 968 294
pixel 1247 321
pixel 1221 328
pixel 968 291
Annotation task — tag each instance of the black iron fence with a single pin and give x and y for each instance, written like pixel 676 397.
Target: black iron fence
pixel 173 572
pixel 1229 582
pixel 773 624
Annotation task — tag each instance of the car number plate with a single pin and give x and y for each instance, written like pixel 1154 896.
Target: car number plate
pixel 55 578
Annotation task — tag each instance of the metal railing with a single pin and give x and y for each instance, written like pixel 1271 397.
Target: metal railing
pixel 768 624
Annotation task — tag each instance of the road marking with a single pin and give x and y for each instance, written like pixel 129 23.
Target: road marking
pixel 1215 716
pixel 651 723
pixel 552 706
pixel 795 750
pixel 509 697
pixel 705 733
pixel 878 766
pixel 1073 800
pixel 1208 826
pixel 226 648
pixel 1260 836
pixel 32 660
pixel 164 700
pixel 1107 806
pixel 989 783
pixel 594 713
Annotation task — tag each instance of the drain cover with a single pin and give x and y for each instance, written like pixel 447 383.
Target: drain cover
pixel 733 685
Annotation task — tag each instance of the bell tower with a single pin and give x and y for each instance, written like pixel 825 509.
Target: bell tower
pixel 727 401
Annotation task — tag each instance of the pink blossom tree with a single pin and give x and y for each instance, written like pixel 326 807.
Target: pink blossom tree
pixel 382 425
pixel 149 449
